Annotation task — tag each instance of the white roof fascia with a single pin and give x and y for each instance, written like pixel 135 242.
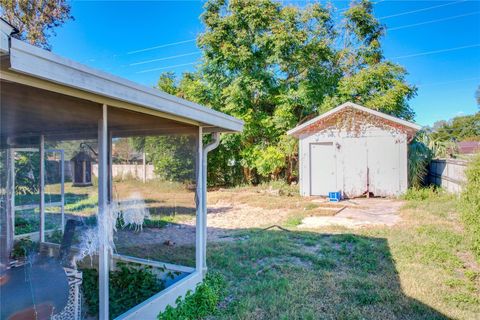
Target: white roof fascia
pixel 5 32
pixel 36 62
pixel 358 107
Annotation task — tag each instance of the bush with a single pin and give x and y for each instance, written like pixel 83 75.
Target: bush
pixel 204 302
pixel 23 247
pixel 128 287
pixel 419 156
pixel 470 204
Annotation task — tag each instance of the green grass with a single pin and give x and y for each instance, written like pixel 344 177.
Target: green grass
pixel 419 269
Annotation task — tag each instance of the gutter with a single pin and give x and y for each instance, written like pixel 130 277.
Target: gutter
pixel 6 31
pixel 206 149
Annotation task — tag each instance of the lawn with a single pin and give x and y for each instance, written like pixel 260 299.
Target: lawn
pixel 418 269
pixel 421 268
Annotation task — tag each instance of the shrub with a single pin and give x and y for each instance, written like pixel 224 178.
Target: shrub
pixel 204 302
pixel 419 156
pixel 470 204
pixel 23 248
pixel 128 287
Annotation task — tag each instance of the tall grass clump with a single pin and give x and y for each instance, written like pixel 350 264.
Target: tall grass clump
pixel 470 204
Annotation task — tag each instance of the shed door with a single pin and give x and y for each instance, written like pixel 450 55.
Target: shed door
pixel 354 156
pixel 383 164
pixel 322 169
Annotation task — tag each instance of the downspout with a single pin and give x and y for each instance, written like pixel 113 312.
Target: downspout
pixel 213 145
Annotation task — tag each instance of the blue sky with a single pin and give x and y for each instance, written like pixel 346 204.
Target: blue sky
pixel 438 42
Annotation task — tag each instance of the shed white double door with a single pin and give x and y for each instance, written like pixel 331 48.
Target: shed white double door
pixel 358 162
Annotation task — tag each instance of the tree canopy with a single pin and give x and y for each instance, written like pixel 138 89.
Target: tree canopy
pixel 462 128
pixel 275 66
pixel 35 20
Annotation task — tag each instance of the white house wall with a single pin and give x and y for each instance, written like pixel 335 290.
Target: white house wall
pixel 383 151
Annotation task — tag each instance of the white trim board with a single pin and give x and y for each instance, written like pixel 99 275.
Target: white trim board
pixel 358 107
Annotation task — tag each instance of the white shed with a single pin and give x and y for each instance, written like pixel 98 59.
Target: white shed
pixel 354 150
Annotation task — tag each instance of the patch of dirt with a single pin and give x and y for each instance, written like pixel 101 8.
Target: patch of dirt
pixel 171 235
pixel 469 261
pixel 360 213
pixel 223 218
pixel 228 216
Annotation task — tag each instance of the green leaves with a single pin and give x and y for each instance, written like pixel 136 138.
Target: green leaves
pixel 36 20
pixel 128 286
pixel 274 65
pixel 470 205
pixel 200 304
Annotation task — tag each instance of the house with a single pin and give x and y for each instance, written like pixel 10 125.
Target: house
pixel 47 99
pixel 355 150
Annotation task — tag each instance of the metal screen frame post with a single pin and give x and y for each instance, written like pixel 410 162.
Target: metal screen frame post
pixel 62 187
pixel 199 231
pixel 42 188
pixel 103 254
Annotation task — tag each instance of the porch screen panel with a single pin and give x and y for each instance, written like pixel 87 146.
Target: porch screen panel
pixel 49 238
pixel 153 173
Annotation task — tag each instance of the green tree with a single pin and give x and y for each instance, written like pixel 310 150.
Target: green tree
pixel 173 157
pixel 35 20
pixel 458 129
pixel 274 66
pixel 270 66
pixel 367 78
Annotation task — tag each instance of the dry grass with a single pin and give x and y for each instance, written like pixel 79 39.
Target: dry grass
pixel 419 269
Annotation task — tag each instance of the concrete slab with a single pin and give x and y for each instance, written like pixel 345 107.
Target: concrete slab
pixel 359 213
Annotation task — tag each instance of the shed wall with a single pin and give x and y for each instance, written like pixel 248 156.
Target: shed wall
pixel 376 154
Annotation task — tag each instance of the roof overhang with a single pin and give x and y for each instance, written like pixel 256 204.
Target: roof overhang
pixel 36 67
pixel 297 131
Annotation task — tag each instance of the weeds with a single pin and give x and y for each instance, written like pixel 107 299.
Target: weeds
pixel 128 286
pixel 200 304
pixel 470 205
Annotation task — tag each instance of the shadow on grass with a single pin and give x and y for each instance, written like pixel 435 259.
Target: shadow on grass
pixel 302 275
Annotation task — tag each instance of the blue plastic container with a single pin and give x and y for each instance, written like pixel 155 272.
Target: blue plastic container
pixel 335 196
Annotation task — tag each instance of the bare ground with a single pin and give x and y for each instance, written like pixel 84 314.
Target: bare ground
pixel 225 217
pixel 359 213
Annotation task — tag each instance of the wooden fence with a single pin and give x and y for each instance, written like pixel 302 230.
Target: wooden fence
pixel 448 174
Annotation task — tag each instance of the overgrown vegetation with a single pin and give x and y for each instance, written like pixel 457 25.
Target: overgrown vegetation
pixel 28 225
pixel 421 194
pixel 23 247
pixel 470 204
pixel 200 304
pixel 419 157
pixel 128 286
